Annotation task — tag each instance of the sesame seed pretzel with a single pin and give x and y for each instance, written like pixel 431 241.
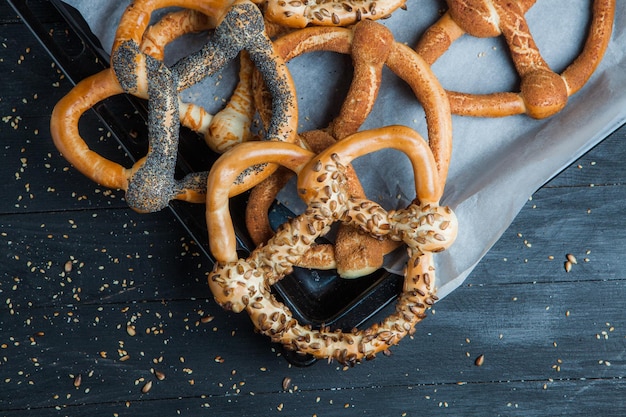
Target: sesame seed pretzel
pixel 424 226
pixel 371 46
pixel 543 92
pixel 150 183
pixel 302 13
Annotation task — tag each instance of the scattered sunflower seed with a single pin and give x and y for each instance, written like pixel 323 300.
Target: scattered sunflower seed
pixel 286 383
pixel 147 387
pixel 479 360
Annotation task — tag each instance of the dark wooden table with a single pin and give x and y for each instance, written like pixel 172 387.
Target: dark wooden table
pixel 554 343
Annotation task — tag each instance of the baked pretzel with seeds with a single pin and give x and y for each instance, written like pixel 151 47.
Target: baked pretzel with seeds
pixel 371 46
pixel 424 226
pixel 302 13
pixel 230 125
pixel 543 92
pixel 150 183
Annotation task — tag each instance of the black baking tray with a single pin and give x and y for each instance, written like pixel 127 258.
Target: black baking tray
pixel 314 297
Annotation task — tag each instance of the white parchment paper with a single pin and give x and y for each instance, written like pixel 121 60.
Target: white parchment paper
pixel 497 163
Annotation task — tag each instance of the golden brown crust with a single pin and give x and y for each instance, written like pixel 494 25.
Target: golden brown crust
pixel 371 46
pixel 543 93
pixel 424 227
pixel 302 13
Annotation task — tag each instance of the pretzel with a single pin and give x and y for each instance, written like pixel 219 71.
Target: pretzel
pixel 371 46
pixel 424 226
pixel 543 92
pixel 150 183
pixel 240 28
pixel 302 13
pixel 87 93
pixel 229 126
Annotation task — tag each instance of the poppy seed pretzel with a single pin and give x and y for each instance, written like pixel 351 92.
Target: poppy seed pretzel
pixel 424 227
pixel 98 87
pixel 543 92
pixel 240 26
pixel 371 46
pixel 230 125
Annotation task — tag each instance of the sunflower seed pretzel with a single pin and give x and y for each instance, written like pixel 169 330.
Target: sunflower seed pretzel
pixel 424 226
pixel 302 13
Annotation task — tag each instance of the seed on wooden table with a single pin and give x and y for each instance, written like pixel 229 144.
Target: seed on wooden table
pixel 571 258
pixel 78 379
pixel 479 360
pixel 568 266
pixel 147 387
pixel 159 375
pixel 131 330
pixel 68 267
pixel 286 383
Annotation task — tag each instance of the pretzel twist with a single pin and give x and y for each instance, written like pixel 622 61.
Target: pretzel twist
pixel 543 92
pixel 371 46
pixel 424 226
pixel 150 183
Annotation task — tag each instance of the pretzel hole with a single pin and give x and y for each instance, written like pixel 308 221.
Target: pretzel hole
pixel 318 297
pixel 98 127
pixel 321 87
pixel 484 66
pixel 544 23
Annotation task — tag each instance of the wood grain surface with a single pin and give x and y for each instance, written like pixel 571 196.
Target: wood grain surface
pixel 96 301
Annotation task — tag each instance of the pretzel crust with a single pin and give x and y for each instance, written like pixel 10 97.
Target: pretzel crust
pixel 543 92
pixel 137 68
pixel 371 46
pixel 424 226
pixel 302 13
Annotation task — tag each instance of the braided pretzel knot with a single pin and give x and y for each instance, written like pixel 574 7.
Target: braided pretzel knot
pixel 150 183
pixel 543 92
pixel 371 46
pixel 424 226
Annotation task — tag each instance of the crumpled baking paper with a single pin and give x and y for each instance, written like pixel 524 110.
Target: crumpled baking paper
pixel 496 164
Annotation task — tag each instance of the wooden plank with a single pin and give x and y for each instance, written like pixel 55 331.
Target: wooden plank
pixel 41 179
pixel 601 166
pixel 527 332
pixel 116 255
pixel 528 398
pixel 253 393
pixel 587 222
